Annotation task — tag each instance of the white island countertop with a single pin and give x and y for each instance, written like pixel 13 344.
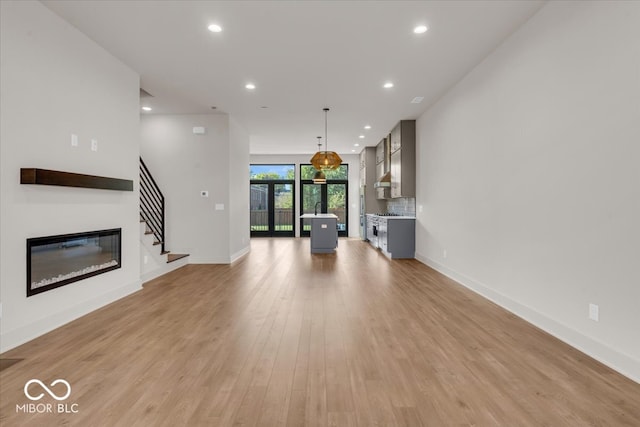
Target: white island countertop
pixel 318 216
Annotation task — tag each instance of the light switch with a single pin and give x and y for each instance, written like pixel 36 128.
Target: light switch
pixel 219 206
pixel 74 140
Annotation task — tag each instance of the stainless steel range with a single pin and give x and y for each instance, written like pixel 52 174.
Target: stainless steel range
pixel 372 229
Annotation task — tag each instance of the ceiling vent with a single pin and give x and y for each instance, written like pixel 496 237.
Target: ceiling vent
pixel 417 100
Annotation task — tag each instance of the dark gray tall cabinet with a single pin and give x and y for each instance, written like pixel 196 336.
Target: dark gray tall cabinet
pixel 403 159
pixel 368 176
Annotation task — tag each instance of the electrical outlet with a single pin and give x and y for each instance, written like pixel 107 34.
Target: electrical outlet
pixel 146 259
pixel 444 253
pixel 74 140
pixel 204 193
pixel 94 144
pixel 594 312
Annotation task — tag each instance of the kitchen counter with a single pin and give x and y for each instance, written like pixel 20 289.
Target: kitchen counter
pixel 398 217
pixel 392 216
pixel 394 235
pixel 324 232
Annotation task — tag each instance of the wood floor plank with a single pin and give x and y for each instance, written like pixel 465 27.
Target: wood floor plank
pixel 286 338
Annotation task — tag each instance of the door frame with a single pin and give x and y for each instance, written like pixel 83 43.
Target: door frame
pixel 324 199
pixel 271 231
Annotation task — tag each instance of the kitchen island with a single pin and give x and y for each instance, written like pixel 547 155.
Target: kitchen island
pixel 324 232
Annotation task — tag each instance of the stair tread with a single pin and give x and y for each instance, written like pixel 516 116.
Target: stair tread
pixel 148 232
pixel 175 257
pixel 157 242
pixel 164 252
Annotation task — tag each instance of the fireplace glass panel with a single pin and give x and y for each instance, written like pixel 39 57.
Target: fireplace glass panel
pixel 59 260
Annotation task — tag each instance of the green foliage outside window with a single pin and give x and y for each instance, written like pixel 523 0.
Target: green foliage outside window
pixel 272 172
pixel 307 172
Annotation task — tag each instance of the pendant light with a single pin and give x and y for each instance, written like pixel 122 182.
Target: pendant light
pixel 319 177
pixel 325 160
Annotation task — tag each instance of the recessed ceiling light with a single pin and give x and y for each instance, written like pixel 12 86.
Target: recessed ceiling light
pixel 367 127
pixel 420 29
pixel 356 145
pixel 361 137
pixel 353 151
pixel 250 86
pixel 387 85
pixel 146 108
pixel 214 28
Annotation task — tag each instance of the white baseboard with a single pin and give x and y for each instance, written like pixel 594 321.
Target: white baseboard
pixel 616 360
pixel 164 269
pixel 23 334
pixel 242 252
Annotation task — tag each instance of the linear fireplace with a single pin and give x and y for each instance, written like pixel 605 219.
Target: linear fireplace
pixel 55 261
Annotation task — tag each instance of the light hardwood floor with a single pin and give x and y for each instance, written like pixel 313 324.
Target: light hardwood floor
pixel 284 338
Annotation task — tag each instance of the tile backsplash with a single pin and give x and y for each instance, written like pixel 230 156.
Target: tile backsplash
pixel 405 206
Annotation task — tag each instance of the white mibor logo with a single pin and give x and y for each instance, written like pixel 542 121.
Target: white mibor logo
pixel 47 389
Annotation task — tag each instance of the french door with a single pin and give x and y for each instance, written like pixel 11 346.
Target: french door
pixel 272 212
pixel 272 201
pixel 331 197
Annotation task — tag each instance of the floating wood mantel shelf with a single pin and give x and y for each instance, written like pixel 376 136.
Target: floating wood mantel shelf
pixel 69 179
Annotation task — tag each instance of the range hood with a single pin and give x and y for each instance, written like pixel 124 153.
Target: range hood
pixel 383 182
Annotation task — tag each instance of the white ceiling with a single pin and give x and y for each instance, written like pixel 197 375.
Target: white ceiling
pixel 302 56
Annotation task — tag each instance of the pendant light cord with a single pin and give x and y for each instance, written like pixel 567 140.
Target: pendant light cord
pixel 326 142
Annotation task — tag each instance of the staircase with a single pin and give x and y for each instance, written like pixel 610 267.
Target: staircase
pixel 156 259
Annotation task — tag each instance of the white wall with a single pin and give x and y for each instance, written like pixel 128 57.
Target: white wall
pixel 529 177
pixel 54 82
pixel 238 190
pixel 353 160
pixel 184 164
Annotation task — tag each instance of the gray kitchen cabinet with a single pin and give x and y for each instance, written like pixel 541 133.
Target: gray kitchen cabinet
pixel 370 174
pixel 382 167
pixel 403 159
pixel 398 237
pixel 395 137
pixel 380 151
pixel 324 232
pixel 363 167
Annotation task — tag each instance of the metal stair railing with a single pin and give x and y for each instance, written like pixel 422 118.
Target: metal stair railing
pixel 152 205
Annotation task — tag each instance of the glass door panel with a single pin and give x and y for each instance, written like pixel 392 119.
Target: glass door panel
pixel 337 204
pixel 259 208
pixel 311 197
pixel 283 208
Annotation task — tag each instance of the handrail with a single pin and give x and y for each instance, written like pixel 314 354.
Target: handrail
pixel 152 204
